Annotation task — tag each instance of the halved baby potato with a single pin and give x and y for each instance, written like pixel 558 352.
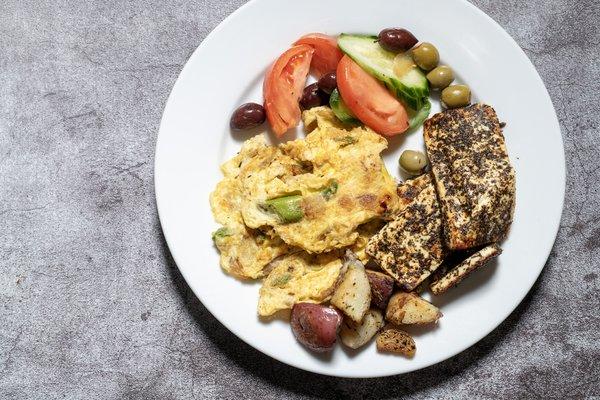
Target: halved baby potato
pixel 356 335
pixel 353 294
pixel 315 325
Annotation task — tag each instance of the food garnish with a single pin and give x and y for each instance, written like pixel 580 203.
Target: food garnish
pixel 287 208
pixel 330 190
pixel 313 96
pixel 247 116
pixel 340 109
pixel 283 86
pixel 456 96
pixel 412 87
pixel 369 99
pixel 440 77
pixel 347 141
pixel 221 233
pixel 328 82
pixel 426 56
pixel 413 162
pixel 327 54
pixel 396 39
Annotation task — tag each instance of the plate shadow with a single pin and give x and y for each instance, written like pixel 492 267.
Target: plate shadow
pixel 272 372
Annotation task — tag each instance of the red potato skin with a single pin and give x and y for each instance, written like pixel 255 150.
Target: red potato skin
pixel 315 326
pixel 382 286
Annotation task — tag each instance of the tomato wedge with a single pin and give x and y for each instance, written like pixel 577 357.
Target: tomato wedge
pixel 327 53
pixel 282 88
pixel 369 100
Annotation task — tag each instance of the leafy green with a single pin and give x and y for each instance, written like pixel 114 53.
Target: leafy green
pixel 346 140
pixel 221 233
pixel 330 190
pixel 282 279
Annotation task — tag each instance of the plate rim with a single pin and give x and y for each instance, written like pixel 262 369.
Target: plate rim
pixel 470 343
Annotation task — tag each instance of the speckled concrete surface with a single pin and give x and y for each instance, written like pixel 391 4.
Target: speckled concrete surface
pixel 93 306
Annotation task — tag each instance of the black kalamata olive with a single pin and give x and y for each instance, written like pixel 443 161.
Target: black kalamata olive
pixel 247 116
pixel 312 96
pixel 328 82
pixel 396 39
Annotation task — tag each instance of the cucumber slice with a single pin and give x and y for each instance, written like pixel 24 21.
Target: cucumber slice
pixel 412 87
pixel 340 109
pixel 418 117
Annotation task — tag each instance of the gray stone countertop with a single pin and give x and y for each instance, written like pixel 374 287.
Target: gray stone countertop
pixel 93 306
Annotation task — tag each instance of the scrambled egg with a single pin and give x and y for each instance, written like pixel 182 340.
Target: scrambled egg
pixel 244 251
pixel 300 277
pixel 337 174
pixel 288 211
pixel 365 232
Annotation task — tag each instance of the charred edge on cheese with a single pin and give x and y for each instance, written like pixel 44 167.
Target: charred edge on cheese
pixel 474 178
pixel 455 275
pixel 409 248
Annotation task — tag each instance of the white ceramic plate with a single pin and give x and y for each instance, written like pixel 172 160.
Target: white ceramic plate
pixel 227 70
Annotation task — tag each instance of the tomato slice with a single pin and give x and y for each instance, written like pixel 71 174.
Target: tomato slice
pixel 327 53
pixel 282 88
pixel 369 100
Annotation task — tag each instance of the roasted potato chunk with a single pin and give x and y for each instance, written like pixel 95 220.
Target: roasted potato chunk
pixel 356 335
pixel 394 340
pixel 409 308
pixel 353 294
pixel 315 325
pixel 382 286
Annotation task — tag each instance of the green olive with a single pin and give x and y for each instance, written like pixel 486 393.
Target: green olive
pixel 426 56
pixel 413 162
pixel 456 96
pixel 440 77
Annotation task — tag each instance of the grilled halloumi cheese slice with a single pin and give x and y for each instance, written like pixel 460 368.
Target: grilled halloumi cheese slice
pixel 452 277
pixel 474 179
pixel 409 248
